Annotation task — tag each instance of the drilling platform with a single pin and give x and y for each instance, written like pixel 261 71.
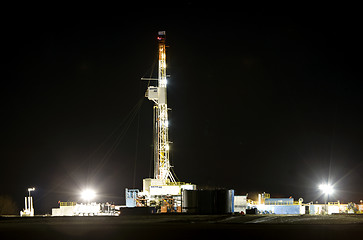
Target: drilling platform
pixel 163 194
pixel 161 191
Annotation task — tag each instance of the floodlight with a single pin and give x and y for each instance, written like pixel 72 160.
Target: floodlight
pixel 88 194
pixel 31 190
pixel 326 189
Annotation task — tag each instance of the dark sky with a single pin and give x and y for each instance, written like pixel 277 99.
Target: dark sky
pixel 260 101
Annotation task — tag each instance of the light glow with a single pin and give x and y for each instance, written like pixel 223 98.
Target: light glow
pixel 326 189
pixel 88 194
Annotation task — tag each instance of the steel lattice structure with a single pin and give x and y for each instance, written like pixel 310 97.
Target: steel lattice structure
pixel 161 124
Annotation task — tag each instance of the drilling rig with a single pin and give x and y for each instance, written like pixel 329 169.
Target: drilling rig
pixel 161 123
pixel 162 188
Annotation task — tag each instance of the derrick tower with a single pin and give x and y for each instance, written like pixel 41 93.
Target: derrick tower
pixel 162 190
pixel 158 95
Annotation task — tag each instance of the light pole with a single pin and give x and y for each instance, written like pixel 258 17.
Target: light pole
pixel 31 190
pixel 29 209
pixel 327 190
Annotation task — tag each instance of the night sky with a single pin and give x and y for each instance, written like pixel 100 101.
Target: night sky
pixel 260 101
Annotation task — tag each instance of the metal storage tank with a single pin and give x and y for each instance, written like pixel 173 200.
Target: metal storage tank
pixel 190 201
pixel 218 201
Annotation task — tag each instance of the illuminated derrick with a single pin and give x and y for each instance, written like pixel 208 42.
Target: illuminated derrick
pixel 161 124
pixel 162 190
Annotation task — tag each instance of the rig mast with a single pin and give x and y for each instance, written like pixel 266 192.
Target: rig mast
pixel 162 190
pixel 161 124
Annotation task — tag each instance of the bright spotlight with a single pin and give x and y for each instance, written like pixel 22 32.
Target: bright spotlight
pixel 326 189
pixel 88 194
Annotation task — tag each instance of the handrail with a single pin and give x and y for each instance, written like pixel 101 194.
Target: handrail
pixel 67 204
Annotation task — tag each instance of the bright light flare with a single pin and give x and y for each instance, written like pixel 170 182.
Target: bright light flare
pixel 326 189
pixel 88 194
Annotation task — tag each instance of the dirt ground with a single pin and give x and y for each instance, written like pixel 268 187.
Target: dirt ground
pixel 184 227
